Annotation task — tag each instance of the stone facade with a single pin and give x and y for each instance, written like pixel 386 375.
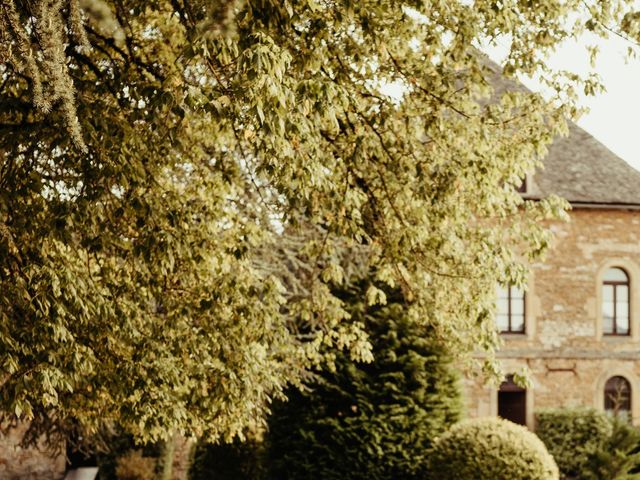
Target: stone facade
pixel 563 346
pixel 17 463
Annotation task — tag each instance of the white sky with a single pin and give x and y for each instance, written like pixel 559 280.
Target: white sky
pixel 614 116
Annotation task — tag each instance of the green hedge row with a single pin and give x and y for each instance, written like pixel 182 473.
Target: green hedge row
pixel 590 445
pixel 573 436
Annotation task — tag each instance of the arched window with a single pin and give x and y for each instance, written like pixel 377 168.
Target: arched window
pixel 617 397
pixel 615 302
pixel 510 309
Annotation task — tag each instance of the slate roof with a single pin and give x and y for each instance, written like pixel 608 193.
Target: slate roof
pixel 578 167
pixel 583 171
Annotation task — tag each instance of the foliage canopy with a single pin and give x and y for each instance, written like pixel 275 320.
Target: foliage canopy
pixel 182 181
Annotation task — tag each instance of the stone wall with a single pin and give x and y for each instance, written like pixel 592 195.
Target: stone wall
pixel 563 346
pixel 17 463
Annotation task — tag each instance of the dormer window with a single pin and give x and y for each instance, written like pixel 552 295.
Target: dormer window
pixel 510 316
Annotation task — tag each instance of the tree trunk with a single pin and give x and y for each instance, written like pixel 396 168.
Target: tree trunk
pixel 166 458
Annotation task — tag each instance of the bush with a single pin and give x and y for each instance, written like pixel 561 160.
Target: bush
pixel 490 449
pixel 573 436
pixel 114 444
pixel 133 466
pixel 227 461
pixel 369 421
pixel 619 458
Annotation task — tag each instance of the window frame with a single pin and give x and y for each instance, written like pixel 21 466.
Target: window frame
pixel 509 314
pixel 615 284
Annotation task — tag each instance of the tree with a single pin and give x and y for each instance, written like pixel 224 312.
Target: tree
pixel 180 181
pixel 371 421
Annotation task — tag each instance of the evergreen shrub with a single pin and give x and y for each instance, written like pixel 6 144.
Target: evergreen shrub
pixel 490 449
pixel 573 436
pixel 227 461
pixel 619 458
pixel 372 421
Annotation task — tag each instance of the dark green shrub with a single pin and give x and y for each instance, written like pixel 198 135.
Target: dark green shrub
pixel 227 461
pixel 490 449
pixel 572 436
pixel 369 421
pixel 619 456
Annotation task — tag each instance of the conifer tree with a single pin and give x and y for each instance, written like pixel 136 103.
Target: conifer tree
pixel 372 421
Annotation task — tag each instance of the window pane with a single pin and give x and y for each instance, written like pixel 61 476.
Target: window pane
pixel 502 307
pixel 517 323
pixel 622 326
pixel 607 309
pixel 502 321
pixel 607 325
pixel 622 293
pixel 517 307
pixel 615 275
pixel 607 293
pixel 517 292
pixel 622 310
pixel 502 292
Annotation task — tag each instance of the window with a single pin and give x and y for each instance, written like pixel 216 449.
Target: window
pixel 615 302
pixel 512 402
pixel 617 397
pixel 510 310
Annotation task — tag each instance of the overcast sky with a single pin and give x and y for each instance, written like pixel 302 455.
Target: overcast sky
pixel 614 116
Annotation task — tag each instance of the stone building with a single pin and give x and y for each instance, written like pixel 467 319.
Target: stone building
pixel 577 325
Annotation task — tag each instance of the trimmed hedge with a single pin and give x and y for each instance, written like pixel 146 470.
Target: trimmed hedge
pixel 491 449
pixel 573 436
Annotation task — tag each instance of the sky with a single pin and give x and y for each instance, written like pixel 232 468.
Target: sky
pixel 614 116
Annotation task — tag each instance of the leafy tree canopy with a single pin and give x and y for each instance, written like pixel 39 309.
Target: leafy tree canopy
pixel 181 181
